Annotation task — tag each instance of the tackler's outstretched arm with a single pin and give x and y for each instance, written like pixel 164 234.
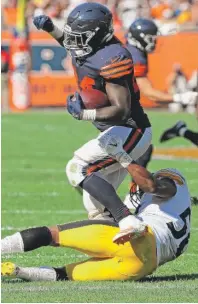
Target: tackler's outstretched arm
pixel 158 184
pixel 161 186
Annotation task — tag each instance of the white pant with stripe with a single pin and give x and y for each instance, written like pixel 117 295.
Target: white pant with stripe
pixel 92 158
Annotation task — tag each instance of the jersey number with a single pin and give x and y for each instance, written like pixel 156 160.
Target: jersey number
pixel 180 233
pixel 87 83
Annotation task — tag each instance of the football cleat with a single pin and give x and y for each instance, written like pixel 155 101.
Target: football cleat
pixel 129 234
pixel 172 132
pixel 8 269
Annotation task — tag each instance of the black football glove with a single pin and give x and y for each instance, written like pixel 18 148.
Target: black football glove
pixel 44 23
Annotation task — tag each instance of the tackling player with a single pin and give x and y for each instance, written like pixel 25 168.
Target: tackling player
pixel 165 211
pixel 141 40
pixel 104 72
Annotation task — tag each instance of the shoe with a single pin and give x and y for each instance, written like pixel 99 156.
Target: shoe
pixel 129 234
pixel 172 132
pixel 8 269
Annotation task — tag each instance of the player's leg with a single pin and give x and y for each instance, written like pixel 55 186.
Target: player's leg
pixel 114 175
pixel 86 168
pixel 92 237
pixel 82 171
pixel 180 130
pixel 96 158
pixel 133 260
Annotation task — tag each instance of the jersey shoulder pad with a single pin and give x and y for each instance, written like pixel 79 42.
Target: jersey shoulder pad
pixel 140 61
pixel 116 62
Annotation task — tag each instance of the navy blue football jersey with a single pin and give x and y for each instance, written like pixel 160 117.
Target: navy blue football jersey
pixel 140 60
pixel 111 63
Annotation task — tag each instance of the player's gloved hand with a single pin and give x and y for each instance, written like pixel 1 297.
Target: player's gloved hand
pixel 75 105
pixel 187 98
pixel 44 23
pixel 113 146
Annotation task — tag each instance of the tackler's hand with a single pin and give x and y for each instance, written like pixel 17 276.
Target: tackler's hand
pixel 113 146
pixel 44 23
pixel 75 105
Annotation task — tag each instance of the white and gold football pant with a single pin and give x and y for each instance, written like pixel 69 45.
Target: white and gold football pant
pixel 133 260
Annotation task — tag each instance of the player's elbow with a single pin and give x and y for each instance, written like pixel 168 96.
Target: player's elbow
pixel 124 113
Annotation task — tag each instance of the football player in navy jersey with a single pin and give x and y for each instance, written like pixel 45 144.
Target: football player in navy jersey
pixel 141 40
pixel 102 65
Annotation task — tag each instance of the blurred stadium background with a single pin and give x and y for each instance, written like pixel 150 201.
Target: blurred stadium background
pixel 38 138
pixel 36 69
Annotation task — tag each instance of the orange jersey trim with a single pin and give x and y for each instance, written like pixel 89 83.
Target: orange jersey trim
pixel 117 75
pixel 112 71
pixel 117 64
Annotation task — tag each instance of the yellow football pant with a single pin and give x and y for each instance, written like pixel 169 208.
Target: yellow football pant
pixel 133 260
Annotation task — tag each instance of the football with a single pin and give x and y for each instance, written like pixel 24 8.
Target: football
pixel 94 99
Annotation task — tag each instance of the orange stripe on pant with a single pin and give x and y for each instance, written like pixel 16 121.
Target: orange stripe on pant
pixel 132 140
pixel 110 161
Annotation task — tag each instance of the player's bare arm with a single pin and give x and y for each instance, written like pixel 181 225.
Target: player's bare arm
pixel 120 100
pixel 149 91
pixel 157 185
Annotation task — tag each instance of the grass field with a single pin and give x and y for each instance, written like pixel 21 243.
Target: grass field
pixel 35 148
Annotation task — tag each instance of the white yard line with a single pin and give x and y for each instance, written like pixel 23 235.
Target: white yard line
pixel 47 256
pixel 27 211
pixel 91 288
pixel 25 194
pixel 34 170
pixel 171 157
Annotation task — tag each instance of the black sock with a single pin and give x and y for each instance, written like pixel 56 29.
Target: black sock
pixel 34 238
pixel 104 192
pixel 192 136
pixel 61 274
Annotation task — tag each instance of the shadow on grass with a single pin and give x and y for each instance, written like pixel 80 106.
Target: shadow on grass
pixel 176 277
pixel 152 279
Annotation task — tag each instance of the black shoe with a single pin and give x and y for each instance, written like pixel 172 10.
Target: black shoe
pixel 172 132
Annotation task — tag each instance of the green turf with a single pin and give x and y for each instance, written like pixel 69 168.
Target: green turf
pixel 35 150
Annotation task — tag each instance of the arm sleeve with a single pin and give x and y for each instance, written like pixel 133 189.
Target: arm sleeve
pixel 140 70
pixel 140 63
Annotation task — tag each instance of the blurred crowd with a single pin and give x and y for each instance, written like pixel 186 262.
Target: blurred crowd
pixel 168 14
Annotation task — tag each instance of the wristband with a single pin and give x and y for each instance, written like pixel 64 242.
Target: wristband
pixel 56 33
pixel 88 115
pixel 124 159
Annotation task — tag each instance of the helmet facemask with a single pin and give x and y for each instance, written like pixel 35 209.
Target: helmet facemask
pixel 80 44
pixel 135 196
pixel 150 41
